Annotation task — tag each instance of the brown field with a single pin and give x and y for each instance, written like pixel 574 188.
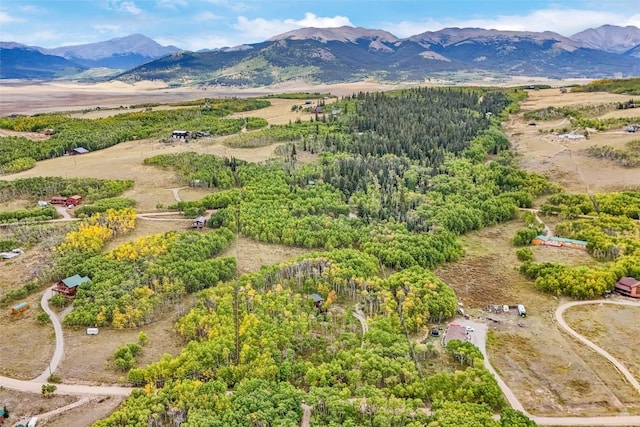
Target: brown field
pixel 610 327
pixel 565 161
pixel 549 373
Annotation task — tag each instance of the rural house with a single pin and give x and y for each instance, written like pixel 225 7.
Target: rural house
pixel 455 332
pixel 69 286
pixel 559 242
pixel 628 286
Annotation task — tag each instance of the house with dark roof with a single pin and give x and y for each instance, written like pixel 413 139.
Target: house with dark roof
pixel 69 286
pixel 628 286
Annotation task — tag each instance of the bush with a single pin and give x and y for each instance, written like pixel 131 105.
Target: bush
pixel 524 254
pixel 54 378
pixel 42 317
pixel 524 236
pixel 58 301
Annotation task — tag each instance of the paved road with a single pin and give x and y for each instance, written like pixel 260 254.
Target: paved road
pixel 479 338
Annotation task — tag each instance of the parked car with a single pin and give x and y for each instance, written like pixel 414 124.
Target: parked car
pixel 435 333
pixel 469 329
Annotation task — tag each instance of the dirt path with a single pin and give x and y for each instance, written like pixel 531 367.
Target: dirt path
pixel 479 338
pixel 358 314
pixel 57 327
pixel 619 366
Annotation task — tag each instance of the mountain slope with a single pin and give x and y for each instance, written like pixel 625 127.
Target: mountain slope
pixel 609 38
pixel 28 63
pixel 119 53
pixel 348 53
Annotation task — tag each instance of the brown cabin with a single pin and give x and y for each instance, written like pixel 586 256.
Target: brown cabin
pixel 69 286
pixel 628 286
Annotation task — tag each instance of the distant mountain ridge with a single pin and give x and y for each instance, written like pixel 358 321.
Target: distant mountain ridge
pixel 355 53
pixel 17 60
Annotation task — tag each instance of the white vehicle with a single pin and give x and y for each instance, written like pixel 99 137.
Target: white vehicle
pixel 469 329
pixel 92 331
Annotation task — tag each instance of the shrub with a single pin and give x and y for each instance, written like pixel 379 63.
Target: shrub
pixel 524 254
pixel 42 317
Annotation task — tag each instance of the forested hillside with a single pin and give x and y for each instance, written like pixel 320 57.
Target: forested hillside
pixel 398 177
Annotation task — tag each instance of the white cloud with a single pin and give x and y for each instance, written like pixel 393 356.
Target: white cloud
pixel 171 4
pixel 259 29
pixel 124 6
pixel 198 42
pixel 231 4
pixel 107 28
pixel 206 16
pixel 5 18
pixel 560 20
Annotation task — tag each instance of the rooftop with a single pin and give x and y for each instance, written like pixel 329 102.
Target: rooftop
pixel 73 281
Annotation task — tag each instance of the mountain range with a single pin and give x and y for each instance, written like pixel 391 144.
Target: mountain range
pixel 18 61
pixel 341 54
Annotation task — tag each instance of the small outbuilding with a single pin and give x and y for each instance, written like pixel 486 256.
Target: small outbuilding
pixel 198 222
pixel 628 286
pixel 317 300
pixel 19 308
pixel 559 242
pixel 69 286
pixel 78 151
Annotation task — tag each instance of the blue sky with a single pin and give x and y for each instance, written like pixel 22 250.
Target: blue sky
pixel 201 24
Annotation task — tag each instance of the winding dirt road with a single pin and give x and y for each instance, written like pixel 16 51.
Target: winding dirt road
pixel 479 337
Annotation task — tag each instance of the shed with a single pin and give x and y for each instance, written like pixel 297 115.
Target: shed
pixel 628 286
pixel 19 308
pixel 198 222
pixel 317 299
pixel 69 286
pixel 78 151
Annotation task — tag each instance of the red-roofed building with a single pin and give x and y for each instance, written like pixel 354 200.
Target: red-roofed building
pixel 628 286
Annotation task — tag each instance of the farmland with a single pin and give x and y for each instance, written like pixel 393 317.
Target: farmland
pixel 488 255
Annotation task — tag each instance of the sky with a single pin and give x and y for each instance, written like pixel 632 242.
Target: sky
pixel 209 24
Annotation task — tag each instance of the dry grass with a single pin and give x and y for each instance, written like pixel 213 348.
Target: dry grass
pixel 565 161
pixel 611 327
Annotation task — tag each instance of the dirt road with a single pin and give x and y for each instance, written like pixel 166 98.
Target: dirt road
pixel 479 339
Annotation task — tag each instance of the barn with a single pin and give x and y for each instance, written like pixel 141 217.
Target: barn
pixel 628 286
pixel 69 286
